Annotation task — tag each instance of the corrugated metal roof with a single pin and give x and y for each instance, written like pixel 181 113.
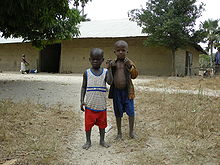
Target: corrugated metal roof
pixel 100 29
pixel 110 29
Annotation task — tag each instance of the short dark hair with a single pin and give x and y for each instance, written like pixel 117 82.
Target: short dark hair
pixel 121 42
pixel 96 51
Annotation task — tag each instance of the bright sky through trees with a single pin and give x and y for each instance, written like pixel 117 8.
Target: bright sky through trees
pixel 117 9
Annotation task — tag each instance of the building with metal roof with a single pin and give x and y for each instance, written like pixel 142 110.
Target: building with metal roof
pixel 110 29
pixel 71 56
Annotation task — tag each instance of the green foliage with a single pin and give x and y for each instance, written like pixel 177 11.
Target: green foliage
pixel 211 33
pixel 38 21
pixel 169 23
pixel 204 60
pixel 77 3
pixel 84 18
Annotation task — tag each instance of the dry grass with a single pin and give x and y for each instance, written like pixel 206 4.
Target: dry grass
pixel 174 129
pixel 34 134
pixel 193 83
pixel 171 129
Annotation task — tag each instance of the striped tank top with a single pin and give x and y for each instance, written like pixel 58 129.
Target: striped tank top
pixel 95 97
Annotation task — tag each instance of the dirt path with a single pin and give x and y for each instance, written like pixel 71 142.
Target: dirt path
pixel 96 154
pixel 48 89
pixel 170 90
pixel 64 90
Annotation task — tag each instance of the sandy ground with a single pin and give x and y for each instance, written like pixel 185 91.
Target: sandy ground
pixel 63 90
pixel 45 89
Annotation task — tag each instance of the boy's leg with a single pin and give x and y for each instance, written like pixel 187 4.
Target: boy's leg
pixel 27 71
pixel 118 100
pixel 89 118
pixel 118 123
pixel 131 127
pixel 87 145
pixel 130 112
pixel 101 121
pixel 102 138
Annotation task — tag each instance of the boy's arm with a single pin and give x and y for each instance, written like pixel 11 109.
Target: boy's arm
pixel 109 76
pixel 24 60
pixel 83 92
pixel 132 68
pixel 134 72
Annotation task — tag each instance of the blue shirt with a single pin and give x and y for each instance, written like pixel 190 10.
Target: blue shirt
pixel 217 57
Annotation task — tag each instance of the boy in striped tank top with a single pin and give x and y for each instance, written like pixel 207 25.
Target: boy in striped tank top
pixel 93 96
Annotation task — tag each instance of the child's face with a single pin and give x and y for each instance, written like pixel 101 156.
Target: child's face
pixel 121 51
pixel 96 60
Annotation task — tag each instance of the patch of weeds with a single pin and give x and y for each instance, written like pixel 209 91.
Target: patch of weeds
pixel 34 134
pixel 177 129
pixel 192 83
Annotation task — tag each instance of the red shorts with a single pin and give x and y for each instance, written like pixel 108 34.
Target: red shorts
pixel 95 118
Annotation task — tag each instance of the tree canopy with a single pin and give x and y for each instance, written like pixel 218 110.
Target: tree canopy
pixel 168 23
pixel 211 34
pixel 211 31
pixel 37 21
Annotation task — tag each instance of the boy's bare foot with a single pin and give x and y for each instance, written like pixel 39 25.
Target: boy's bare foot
pixel 132 135
pixel 104 144
pixel 86 146
pixel 118 137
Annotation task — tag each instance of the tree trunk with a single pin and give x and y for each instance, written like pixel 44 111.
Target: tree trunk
pixel 211 52
pixel 83 8
pixel 211 60
pixel 173 63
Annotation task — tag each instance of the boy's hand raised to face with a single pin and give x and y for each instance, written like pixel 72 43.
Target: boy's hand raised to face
pixel 108 63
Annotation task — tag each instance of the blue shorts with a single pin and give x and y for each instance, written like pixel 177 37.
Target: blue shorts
pixel 122 103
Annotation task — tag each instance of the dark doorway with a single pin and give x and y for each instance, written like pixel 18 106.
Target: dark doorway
pixel 50 58
pixel 188 68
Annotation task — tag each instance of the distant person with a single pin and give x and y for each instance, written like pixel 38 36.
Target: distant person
pixel 122 88
pixel 93 97
pixel 217 60
pixel 24 65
